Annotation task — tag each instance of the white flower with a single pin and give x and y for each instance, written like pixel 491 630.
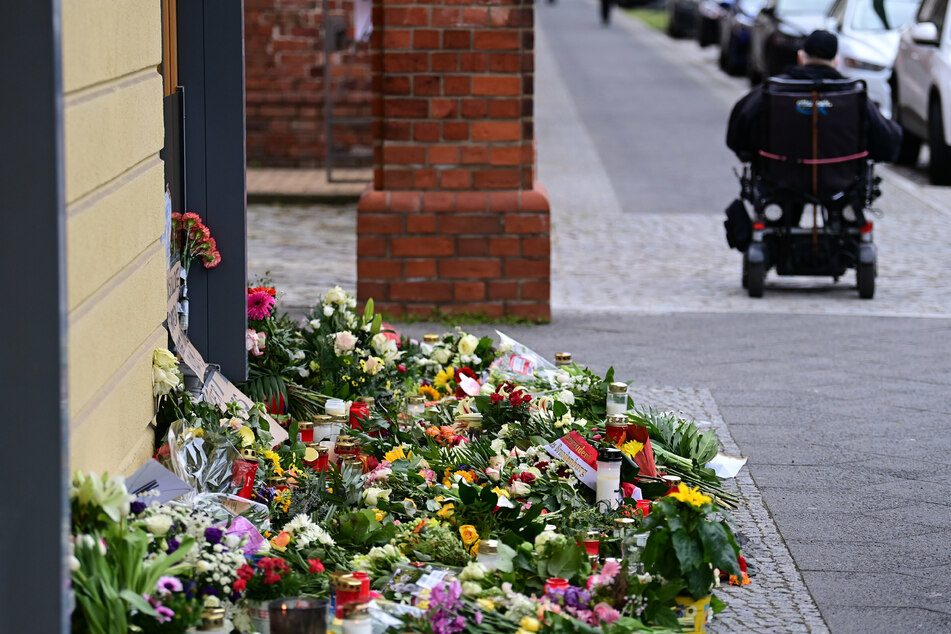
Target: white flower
pixel 383 345
pixel 442 355
pixel 504 431
pixel 158 525
pixel 328 311
pixel 487 389
pixel 298 355
pixel 543 537
pixel 470 588
pixel 645 578
pixel 468 345
pixel 202 566
pixel 473 571
pixel 344 341
pixel 374 365
pixel 498 446
pixel 336 295
pixel 373 495
pixel 563 377
pixel 315 324
pixel 566 397
pixel 519 489
pixel 493 474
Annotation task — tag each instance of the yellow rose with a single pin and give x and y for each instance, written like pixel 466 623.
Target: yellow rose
pixel 469 534
pixel 246 435
pixel 530 623
pixel 281 541
pixel 446 511
pixel 379 515
pixel 486 604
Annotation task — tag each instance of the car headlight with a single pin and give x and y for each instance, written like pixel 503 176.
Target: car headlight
pixel 858 64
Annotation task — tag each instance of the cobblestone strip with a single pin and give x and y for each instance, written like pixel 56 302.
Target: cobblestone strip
pixel 777 599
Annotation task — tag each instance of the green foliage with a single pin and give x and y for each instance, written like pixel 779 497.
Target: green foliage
pixel 686 543
pixel 359 530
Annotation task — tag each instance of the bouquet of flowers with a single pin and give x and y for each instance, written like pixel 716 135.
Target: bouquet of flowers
pixel 192 240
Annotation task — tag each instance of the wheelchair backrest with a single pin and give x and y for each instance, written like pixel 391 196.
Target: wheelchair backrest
pixel 813 135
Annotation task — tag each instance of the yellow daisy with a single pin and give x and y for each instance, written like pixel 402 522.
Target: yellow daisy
pixel 690 496
pixel 442 379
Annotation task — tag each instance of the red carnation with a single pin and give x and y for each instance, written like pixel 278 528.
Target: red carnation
pixel 315 565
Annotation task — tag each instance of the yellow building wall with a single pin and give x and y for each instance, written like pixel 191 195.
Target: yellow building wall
pixel 115 220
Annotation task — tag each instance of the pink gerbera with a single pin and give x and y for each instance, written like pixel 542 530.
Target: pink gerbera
pixel 260 305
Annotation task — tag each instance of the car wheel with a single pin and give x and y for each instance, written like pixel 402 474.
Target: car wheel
pixel 755 278
pixel 939 168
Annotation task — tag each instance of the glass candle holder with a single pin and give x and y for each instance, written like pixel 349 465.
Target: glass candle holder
pixel 429 341
pixel 347 591
pixel 298 615
pixel 643 507
pixel 359 412
pixel 339 423
pixel 608 488
pixel 415 408
pixel 562 359
pixel 615 426
pixel 244 472
pixel 356 619
pixel 212 620
pixel 672 482
pixel 617 399
pixel 335 406
pixel 305 431
pixel 555 583
pixel 489 554
pixel 592 544
pixel 322 427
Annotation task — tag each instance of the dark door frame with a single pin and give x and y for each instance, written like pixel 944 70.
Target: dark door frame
pixel 34 461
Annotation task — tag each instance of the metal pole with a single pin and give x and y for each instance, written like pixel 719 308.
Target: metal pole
pixel 34 581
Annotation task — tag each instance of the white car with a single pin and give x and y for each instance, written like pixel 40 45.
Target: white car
pixel 921 89
pixel 868 32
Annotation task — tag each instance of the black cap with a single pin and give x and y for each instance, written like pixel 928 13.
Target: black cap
pixel 821 45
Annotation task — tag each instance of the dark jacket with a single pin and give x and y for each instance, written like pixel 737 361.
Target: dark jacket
pixel 743 132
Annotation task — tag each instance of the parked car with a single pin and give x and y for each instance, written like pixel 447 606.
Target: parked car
pixel 735 29
pixel 921 89
pixel 682 17
pixel 778 32
pixel 710 12
pixel 868 32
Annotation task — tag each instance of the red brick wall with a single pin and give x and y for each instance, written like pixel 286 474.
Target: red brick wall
pixel 284 77
pixel 454 219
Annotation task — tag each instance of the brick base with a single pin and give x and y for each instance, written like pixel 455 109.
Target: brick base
pixel 458 252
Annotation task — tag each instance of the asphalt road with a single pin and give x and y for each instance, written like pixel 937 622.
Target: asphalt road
pixel 845 417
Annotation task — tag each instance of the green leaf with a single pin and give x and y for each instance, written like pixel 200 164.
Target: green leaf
pixel 377 324
pixel 717 546
pixel 566 562
pixel 688 551
pixel 467 494
pixel 699 581
pixel 716 604
pixel 368 311
pixel 137 602
pixel 559 409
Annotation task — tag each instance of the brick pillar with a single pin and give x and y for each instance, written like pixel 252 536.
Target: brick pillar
pixel 454 219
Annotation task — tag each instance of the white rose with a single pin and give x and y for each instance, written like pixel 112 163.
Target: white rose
pixel 566 397
pixel 158 524
pixel 468 345
pixel 383 345
pixel 519 489
pixel 344 341
pixel 470 588
pixel 315 324
pixel 473 571
pixel 442 355
pixel 543 537
pixel 336 295
pixel 487 389
pixel 328 311
pixel 493 474
pixel 374 365
pixel 498 446
pixel 202 566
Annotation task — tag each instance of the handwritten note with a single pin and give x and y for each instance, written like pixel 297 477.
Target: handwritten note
pixel 220 391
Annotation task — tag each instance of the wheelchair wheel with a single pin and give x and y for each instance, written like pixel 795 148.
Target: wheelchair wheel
pixel 755 278
pixel 865 276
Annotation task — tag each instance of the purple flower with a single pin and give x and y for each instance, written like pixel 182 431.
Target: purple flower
pixel 210 591
pixel 478 617
pixel 164 614
pixel 172 546
pixel 137 507
pixel 213 535
pixel 168 584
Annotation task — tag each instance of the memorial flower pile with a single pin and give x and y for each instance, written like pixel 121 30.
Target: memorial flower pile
pixel 463 484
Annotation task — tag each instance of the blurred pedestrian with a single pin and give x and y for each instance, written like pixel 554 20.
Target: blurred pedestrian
pixel 606 12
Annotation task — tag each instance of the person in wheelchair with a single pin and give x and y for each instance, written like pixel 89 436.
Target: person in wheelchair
pixel 879 136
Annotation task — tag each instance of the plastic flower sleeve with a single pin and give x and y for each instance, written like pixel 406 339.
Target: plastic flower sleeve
pixel 205 464
pixel 517 362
